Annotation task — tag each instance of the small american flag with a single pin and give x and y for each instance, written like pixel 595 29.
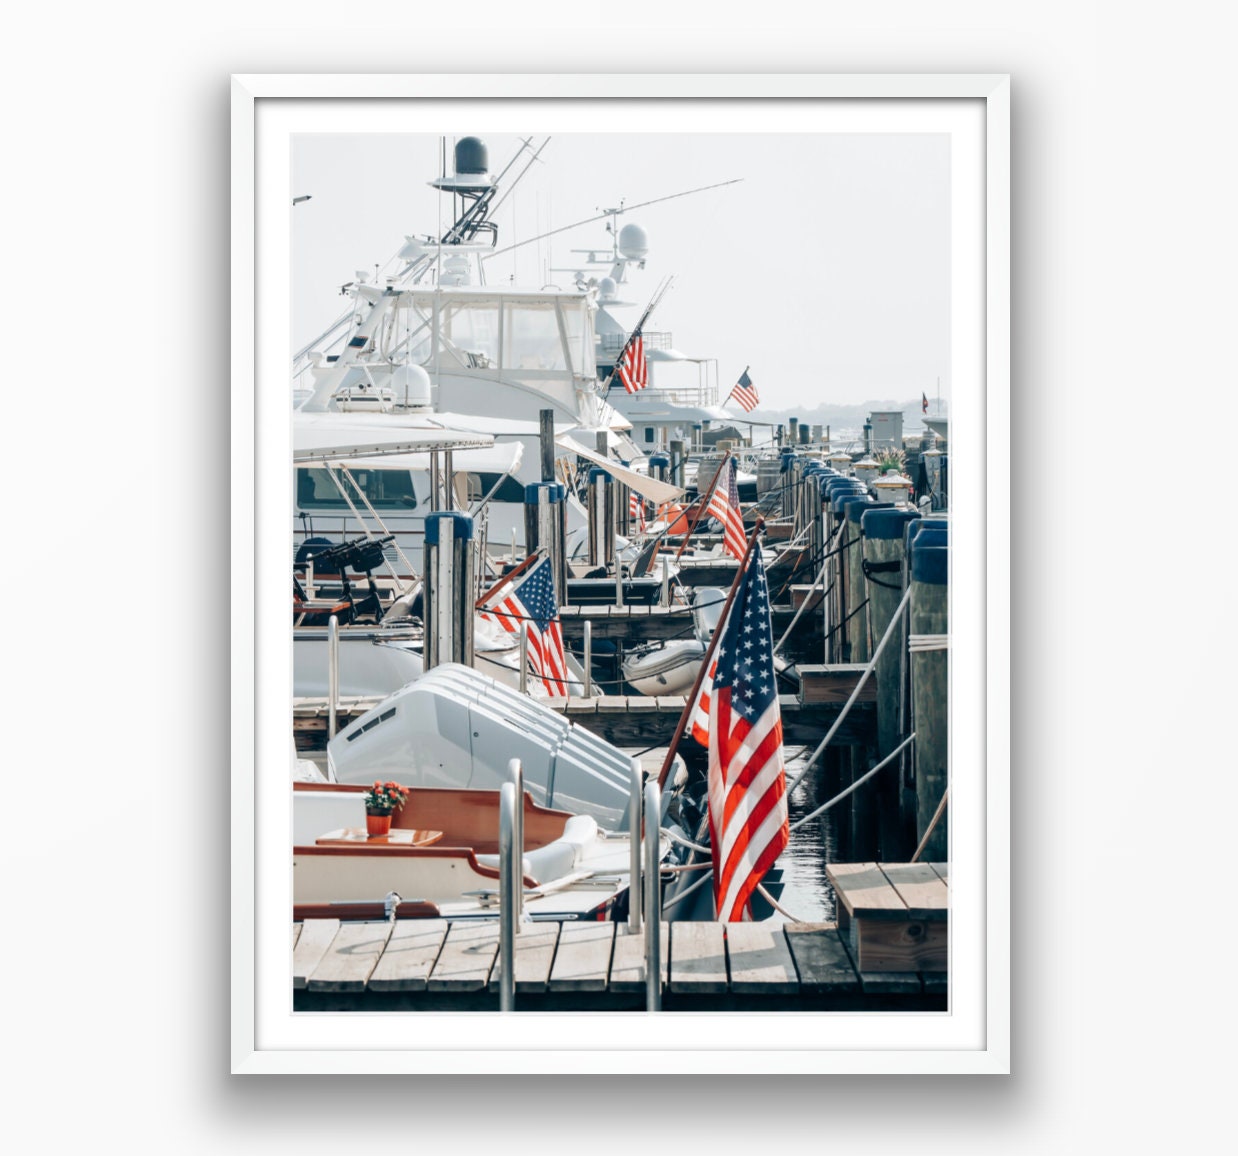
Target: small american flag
pixel 633 370
pixel 748 826
pixel 531 600
pixel 724 505
pixel 636 511
pixel 745 393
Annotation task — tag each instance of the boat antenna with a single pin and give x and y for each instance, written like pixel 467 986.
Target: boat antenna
pixel 610 213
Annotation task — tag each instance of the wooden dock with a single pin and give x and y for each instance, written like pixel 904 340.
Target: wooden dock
pixel 433 965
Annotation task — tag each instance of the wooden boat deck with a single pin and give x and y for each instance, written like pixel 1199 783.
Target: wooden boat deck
pixel 433 965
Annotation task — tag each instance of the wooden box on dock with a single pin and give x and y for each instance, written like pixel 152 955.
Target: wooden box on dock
pixel 779 531
pixel 834 683
pixel 800 593
pixel 893 916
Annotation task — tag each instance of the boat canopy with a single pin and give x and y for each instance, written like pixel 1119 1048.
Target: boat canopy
pixel 651 488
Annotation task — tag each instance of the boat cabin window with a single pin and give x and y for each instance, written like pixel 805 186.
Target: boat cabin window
pixel 470 332
pixel 510 490
pixel 531 336
pixel 649 431
pixel 382 488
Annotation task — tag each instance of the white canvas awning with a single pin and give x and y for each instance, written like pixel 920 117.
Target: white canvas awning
pixel 656 491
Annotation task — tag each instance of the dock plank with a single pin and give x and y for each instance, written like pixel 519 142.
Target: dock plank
pixel 351 958
pixel 535 953
pixel 582 961
pixel 410 955
pixel 315 939
pixel 920 888
pixel 627 966
pixel 296 934
pixel 466 958
pixel 759 959
pixel 698 958
pixel 821 960
pixel 864 890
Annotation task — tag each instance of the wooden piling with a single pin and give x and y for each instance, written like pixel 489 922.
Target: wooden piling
pixel 929 688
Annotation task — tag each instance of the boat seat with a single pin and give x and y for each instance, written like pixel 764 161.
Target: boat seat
pixel 558 858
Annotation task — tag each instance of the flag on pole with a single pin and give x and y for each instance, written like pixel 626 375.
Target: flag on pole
pixel 748 826
pixel 636 511
pixel 744 392
pixel 633 370
pixel 531 600
pixel 724 505
pixel 924 403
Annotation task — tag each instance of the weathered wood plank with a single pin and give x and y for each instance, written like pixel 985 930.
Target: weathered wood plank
pixel 884 982
pixel 899 945
pixel 759 960
pixel 943 870
pixel 864 890
pixel 698 958
pixel 296 934
pixel 466 957
pixel 351 958
pixel 580 705
pixel 627 965
pixel 582 961
pixel 535 953
pixel 316 937
pixel 640 702
pixel 410 955
pixel 671 703
pixel 834 683
pixel 821 960
pixel 920 888
pixel 613 704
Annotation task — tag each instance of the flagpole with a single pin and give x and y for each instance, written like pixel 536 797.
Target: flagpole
pixel 507 578
pixel 709 653
pixel 653 304
pixel 701 507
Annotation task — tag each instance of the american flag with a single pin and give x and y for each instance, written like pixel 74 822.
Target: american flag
pixel 724 505
pixel 632 368
pixel 636 511
pixel 531 600
pixel 745 393
pixel 747 783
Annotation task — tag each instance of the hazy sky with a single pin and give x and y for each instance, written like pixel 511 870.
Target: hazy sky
pixel 827 268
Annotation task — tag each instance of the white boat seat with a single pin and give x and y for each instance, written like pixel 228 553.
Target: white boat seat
pixel 558 858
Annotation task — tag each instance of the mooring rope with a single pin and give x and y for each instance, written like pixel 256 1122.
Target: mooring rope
pixel 920 643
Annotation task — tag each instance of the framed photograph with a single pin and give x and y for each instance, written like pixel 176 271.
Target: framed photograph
pixel 825 257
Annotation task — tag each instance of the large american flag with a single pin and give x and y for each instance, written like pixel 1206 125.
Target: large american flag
pixel 744 392
pixel 632 368
pixel 531 600
pixel 747 784
pixel 724 505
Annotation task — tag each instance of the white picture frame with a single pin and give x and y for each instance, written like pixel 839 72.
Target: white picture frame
pixel 974 1036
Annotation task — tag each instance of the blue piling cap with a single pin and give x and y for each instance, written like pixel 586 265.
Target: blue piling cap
pixel 596 473
pixel 837 497
pixel 884 523
pixel 531 491
pixel 462 526
pixel 844 500
pixel 929 539
pixel 930 565
pixel 855 510
pixel 914 529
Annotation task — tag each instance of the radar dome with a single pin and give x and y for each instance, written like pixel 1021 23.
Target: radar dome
pixel 633 242
pixel 411 386
pixel 471 155
pixel 606 289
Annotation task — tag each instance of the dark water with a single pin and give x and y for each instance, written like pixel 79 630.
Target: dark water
pixel 807 895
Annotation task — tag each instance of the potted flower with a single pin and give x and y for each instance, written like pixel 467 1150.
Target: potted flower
pixel 380 800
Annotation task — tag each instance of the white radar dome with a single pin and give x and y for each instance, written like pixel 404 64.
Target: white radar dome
pixel 411 386
pixel 607 289
pixel 633 242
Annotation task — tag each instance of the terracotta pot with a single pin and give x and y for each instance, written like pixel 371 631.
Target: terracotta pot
pixel 377 823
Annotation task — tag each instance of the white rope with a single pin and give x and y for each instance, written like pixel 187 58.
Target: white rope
pixel 684 842
pixel 868 670
pixel 777 906
pixel 803 606
pixel 858 783
pixel 687 891
pixel 920 643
